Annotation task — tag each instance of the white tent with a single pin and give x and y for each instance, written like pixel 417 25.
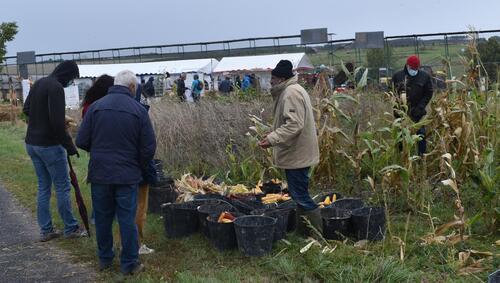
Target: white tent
pixel 203 66
pixel 261 65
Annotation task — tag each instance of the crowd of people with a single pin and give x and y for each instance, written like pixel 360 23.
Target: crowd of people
pixel 118 134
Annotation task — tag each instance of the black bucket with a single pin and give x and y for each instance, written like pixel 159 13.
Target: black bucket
pixel 207 196
pixel 281 216
pixel 271 188
pixel 222 235
pixel 181 219
pixel 369 223
pixel 212 209
pixel 336 223
pixel 348 203
pixel 160 195
pixel 255 234
pixel 164 181
pixel 246 205
pixel 292 220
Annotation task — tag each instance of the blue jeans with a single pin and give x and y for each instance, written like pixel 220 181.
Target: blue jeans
pixel 51 166
pixel 119 200
pixel 298 187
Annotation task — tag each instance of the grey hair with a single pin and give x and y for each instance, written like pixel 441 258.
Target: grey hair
pixel 125 78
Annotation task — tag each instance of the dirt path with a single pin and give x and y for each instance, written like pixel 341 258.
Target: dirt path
pixel 23 258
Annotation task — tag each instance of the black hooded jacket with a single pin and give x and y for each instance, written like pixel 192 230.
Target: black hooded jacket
pixel 418 90
pixel 45 108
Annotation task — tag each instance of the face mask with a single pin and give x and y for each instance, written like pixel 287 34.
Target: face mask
pixel 412 72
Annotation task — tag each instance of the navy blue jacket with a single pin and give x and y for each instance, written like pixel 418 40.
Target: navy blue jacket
pixel 118 134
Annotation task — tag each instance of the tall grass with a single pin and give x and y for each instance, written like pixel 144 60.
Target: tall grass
pixel 196 136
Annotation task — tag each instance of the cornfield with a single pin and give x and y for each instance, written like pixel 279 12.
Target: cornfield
pixel 364 149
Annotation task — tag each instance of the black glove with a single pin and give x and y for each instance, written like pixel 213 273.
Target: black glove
pixel 417 113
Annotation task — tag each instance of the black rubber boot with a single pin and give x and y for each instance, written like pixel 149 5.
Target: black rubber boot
pixel 314 217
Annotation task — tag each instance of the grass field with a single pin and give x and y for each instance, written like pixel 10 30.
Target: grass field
pixel 194 259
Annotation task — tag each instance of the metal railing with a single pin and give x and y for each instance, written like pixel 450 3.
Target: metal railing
pixel 431 47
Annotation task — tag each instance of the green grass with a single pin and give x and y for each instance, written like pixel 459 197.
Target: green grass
pixel 194 259
pixel 430 55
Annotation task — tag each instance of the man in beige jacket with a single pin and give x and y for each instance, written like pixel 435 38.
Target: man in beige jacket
pixel 294 141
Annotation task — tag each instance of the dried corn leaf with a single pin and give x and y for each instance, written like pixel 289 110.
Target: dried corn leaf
pixel 371 182
pixel 452 184
pixel 445 227
pixel 481 254
pixel 308 246
pixel 361 244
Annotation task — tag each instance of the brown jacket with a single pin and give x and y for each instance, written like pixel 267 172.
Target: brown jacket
pixel 294 139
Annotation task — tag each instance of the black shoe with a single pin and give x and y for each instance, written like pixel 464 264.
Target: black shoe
pixel 137 269
pixel 50 236
pixel 78 233
pixel 105 266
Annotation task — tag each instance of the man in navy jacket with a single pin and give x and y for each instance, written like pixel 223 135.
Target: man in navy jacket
pixel 118 134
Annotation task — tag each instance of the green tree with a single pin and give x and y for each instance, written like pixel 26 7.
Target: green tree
pixel 489 51
pixel 7 33
pixel 378 58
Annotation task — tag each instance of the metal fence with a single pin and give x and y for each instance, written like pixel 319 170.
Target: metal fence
pixel 433 49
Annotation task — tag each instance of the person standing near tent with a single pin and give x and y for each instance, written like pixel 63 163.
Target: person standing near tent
pixel 226 86
pixel 48 144
pixel 417 85
pixel 294 142
pixel 149 88
pixel 181 87
pixel 237 81
pixel 247 82
pixel 196 88
pixel 119 152
pixel 168 84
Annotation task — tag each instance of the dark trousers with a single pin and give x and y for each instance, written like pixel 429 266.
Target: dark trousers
pixel 422 144
pixel 119 200
pixel 298 187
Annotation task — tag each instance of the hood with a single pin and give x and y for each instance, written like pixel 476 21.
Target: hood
pixel 65 72
pixel 278 89
pixel 151 79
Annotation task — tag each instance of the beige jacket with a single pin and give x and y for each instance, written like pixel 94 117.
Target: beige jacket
pixel 294 138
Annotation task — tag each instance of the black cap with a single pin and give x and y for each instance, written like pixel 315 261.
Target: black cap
pixel 284 69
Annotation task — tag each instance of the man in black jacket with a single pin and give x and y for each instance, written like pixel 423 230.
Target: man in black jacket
pixel 181 87
pixel 417 85
pixel 48 143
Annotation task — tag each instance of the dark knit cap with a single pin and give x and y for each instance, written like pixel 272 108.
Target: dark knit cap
pixel 284 69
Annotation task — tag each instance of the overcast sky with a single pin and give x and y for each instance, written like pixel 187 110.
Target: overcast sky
pixel 66 25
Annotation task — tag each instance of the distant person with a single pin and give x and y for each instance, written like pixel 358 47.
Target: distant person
pixel 417 85
pixel 226 86
pixel 118 134
pixel 206 85
pixel 196 88
pixel 168 84
pixel 341 78
pixel 149 88
pixel 294 142
pixel 97 91
pixel 181 87
pixel 237 82
pixel 246 83
pixel 48 144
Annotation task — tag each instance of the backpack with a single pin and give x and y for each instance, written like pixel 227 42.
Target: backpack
pixel 199 86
